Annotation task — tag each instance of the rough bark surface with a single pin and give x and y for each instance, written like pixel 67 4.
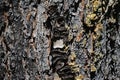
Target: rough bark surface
pixel 59 40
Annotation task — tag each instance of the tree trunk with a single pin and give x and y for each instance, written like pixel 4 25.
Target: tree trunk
pixel 59 40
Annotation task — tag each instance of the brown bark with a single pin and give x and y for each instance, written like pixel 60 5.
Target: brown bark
pixel 59 39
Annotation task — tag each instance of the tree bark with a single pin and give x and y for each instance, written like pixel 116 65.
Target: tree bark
pixel 59 40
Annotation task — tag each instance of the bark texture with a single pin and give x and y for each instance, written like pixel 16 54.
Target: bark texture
pixel 59 40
